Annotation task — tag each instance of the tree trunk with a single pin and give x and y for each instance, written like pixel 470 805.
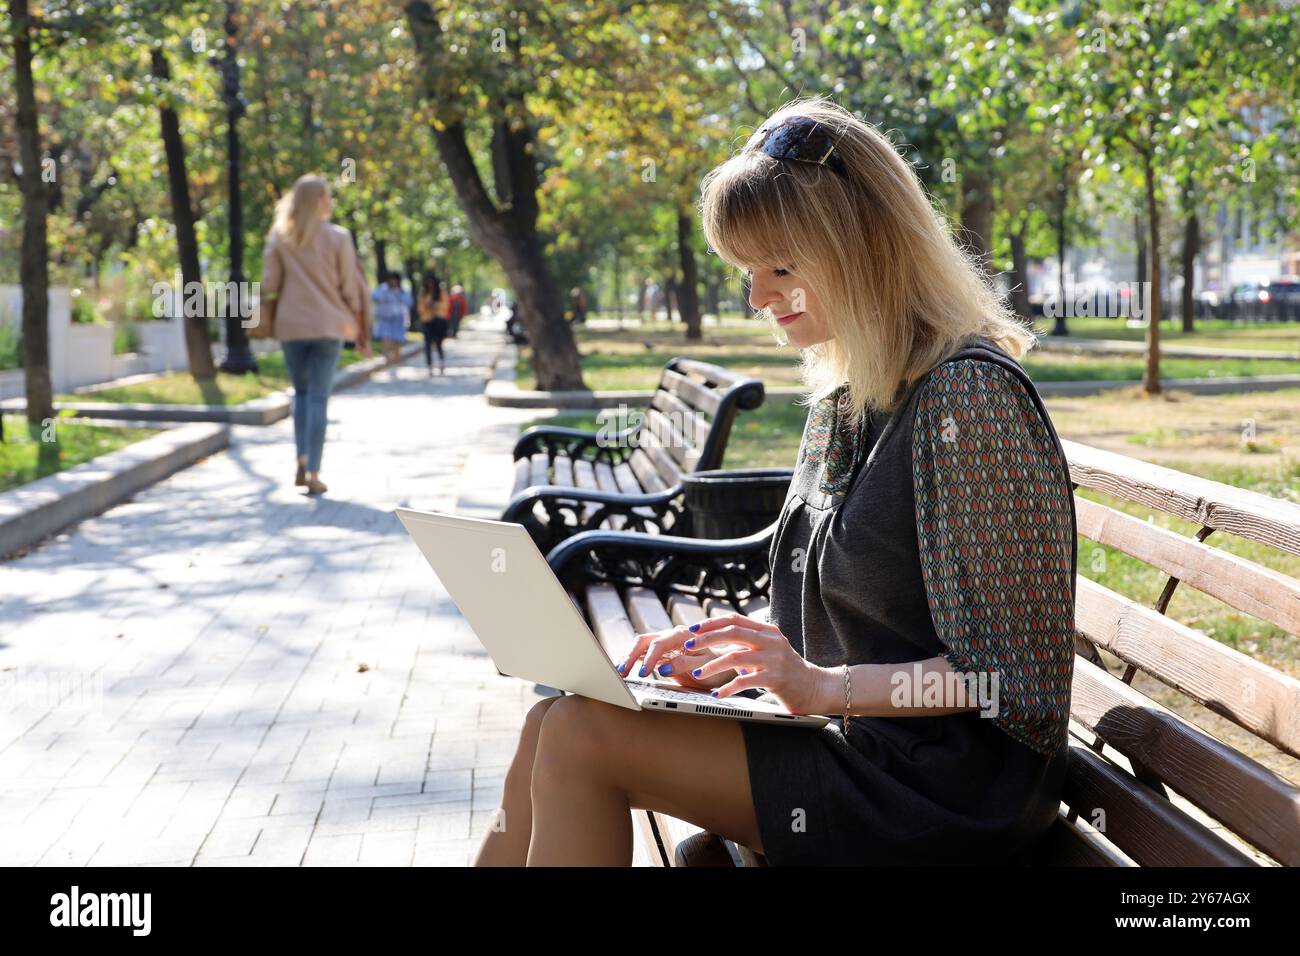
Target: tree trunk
pixel 33 268
pixel 198 345
pixel 1151 380
pixel 1062 207
pixel 670 296
pixel 688 299
pixel 507 233
pixel 713 296
pixel 1019 273
pixel 977 218
pixel 1191 246
pixel 239 357
pixel 618 288
pixel 554 351
pixel 1139 237
pixel 381 261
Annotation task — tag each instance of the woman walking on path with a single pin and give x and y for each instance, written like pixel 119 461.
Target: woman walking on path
pixel 433 320
pixel 392 303
pixel 927 544
pixel 310 269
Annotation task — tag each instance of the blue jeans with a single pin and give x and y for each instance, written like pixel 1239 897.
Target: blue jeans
pixel 311 364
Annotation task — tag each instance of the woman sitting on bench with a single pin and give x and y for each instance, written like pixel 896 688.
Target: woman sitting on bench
pixel 927 545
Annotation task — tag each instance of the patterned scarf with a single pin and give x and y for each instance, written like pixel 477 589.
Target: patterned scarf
pixel 832 440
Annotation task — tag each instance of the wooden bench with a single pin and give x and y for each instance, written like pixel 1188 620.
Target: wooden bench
pixel 568 480
pixel 1145 786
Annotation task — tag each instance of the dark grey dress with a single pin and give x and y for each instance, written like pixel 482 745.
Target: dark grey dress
pixel 954 537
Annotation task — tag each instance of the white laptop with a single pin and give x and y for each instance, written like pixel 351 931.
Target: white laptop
pixel 533 630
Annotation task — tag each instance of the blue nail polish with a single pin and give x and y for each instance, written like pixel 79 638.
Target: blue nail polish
pixel 666 669
pixel 690 643
pixel 743 671
pixel 713 693
pixel 696 672
pixel 693 628
pixel 619 668
pixel 643 672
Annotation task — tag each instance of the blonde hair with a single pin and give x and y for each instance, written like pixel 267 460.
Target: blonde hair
pixel 298 211
pixel 897 292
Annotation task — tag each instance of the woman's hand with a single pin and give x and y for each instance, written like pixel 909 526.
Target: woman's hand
pixel 363 336
pixel 757 652
pixel 678 666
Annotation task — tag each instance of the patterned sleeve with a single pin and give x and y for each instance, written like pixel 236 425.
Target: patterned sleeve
pixel 995 526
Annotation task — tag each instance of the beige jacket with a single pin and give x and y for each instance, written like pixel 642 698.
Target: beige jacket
pixel 320 286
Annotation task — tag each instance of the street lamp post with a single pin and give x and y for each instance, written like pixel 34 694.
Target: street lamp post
pixel 239 358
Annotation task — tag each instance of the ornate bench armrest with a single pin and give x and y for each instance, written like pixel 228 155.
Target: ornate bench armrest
pixel 572 441
pixel 731 569
pixel 613 502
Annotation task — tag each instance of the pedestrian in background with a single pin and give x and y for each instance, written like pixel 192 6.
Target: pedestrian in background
pixel 310 269
pixel 433 306
pixel 392 303
pixel 459 309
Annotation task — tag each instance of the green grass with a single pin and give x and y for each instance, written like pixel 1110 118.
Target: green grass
pixel 180 388
pixel 632 359
pixel 25 457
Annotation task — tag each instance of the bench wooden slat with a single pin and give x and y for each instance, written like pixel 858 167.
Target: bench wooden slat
pixel 688 419
pixel 669 472
pixel 1069 845
pixel 1247 798
pixel 605 479
pixel 584 475
pixel 1235 510
pixel 626 479
pixel 540 468
pixel 1253 695
pixel 646 473
pixel 609 621
pixel 667 436
pixel 684 610
pixel 523 476
pixel 1262 592
pixel 692 393
pixel 646 611
pixel 1148 828
pixel 563 465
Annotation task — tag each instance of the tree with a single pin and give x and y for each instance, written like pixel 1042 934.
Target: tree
pixel 506 229
pixel 198 345
pixel 34 265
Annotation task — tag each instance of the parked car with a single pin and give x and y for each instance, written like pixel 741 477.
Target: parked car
pixel 1265 300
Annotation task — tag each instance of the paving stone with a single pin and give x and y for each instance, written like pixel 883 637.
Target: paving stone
pixel 301 690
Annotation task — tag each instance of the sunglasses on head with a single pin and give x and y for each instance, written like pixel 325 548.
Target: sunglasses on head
pixel 801 139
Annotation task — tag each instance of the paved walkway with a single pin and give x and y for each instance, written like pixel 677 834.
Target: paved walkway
pixel 223 671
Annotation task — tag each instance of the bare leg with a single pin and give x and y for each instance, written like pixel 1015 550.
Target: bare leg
pixel 506 842
pixel 594 762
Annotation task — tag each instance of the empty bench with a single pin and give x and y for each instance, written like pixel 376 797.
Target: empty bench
pixel 1144 786
pixel 568 480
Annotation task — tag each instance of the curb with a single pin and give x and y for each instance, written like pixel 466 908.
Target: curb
pixel 47 505
pixel 1052 343
pixel 260 411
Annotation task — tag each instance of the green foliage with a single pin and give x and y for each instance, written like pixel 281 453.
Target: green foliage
pixel 11 347
pixel 83 310
pixel 126 338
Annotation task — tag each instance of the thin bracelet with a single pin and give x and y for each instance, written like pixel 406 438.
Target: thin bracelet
pixel 848 700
